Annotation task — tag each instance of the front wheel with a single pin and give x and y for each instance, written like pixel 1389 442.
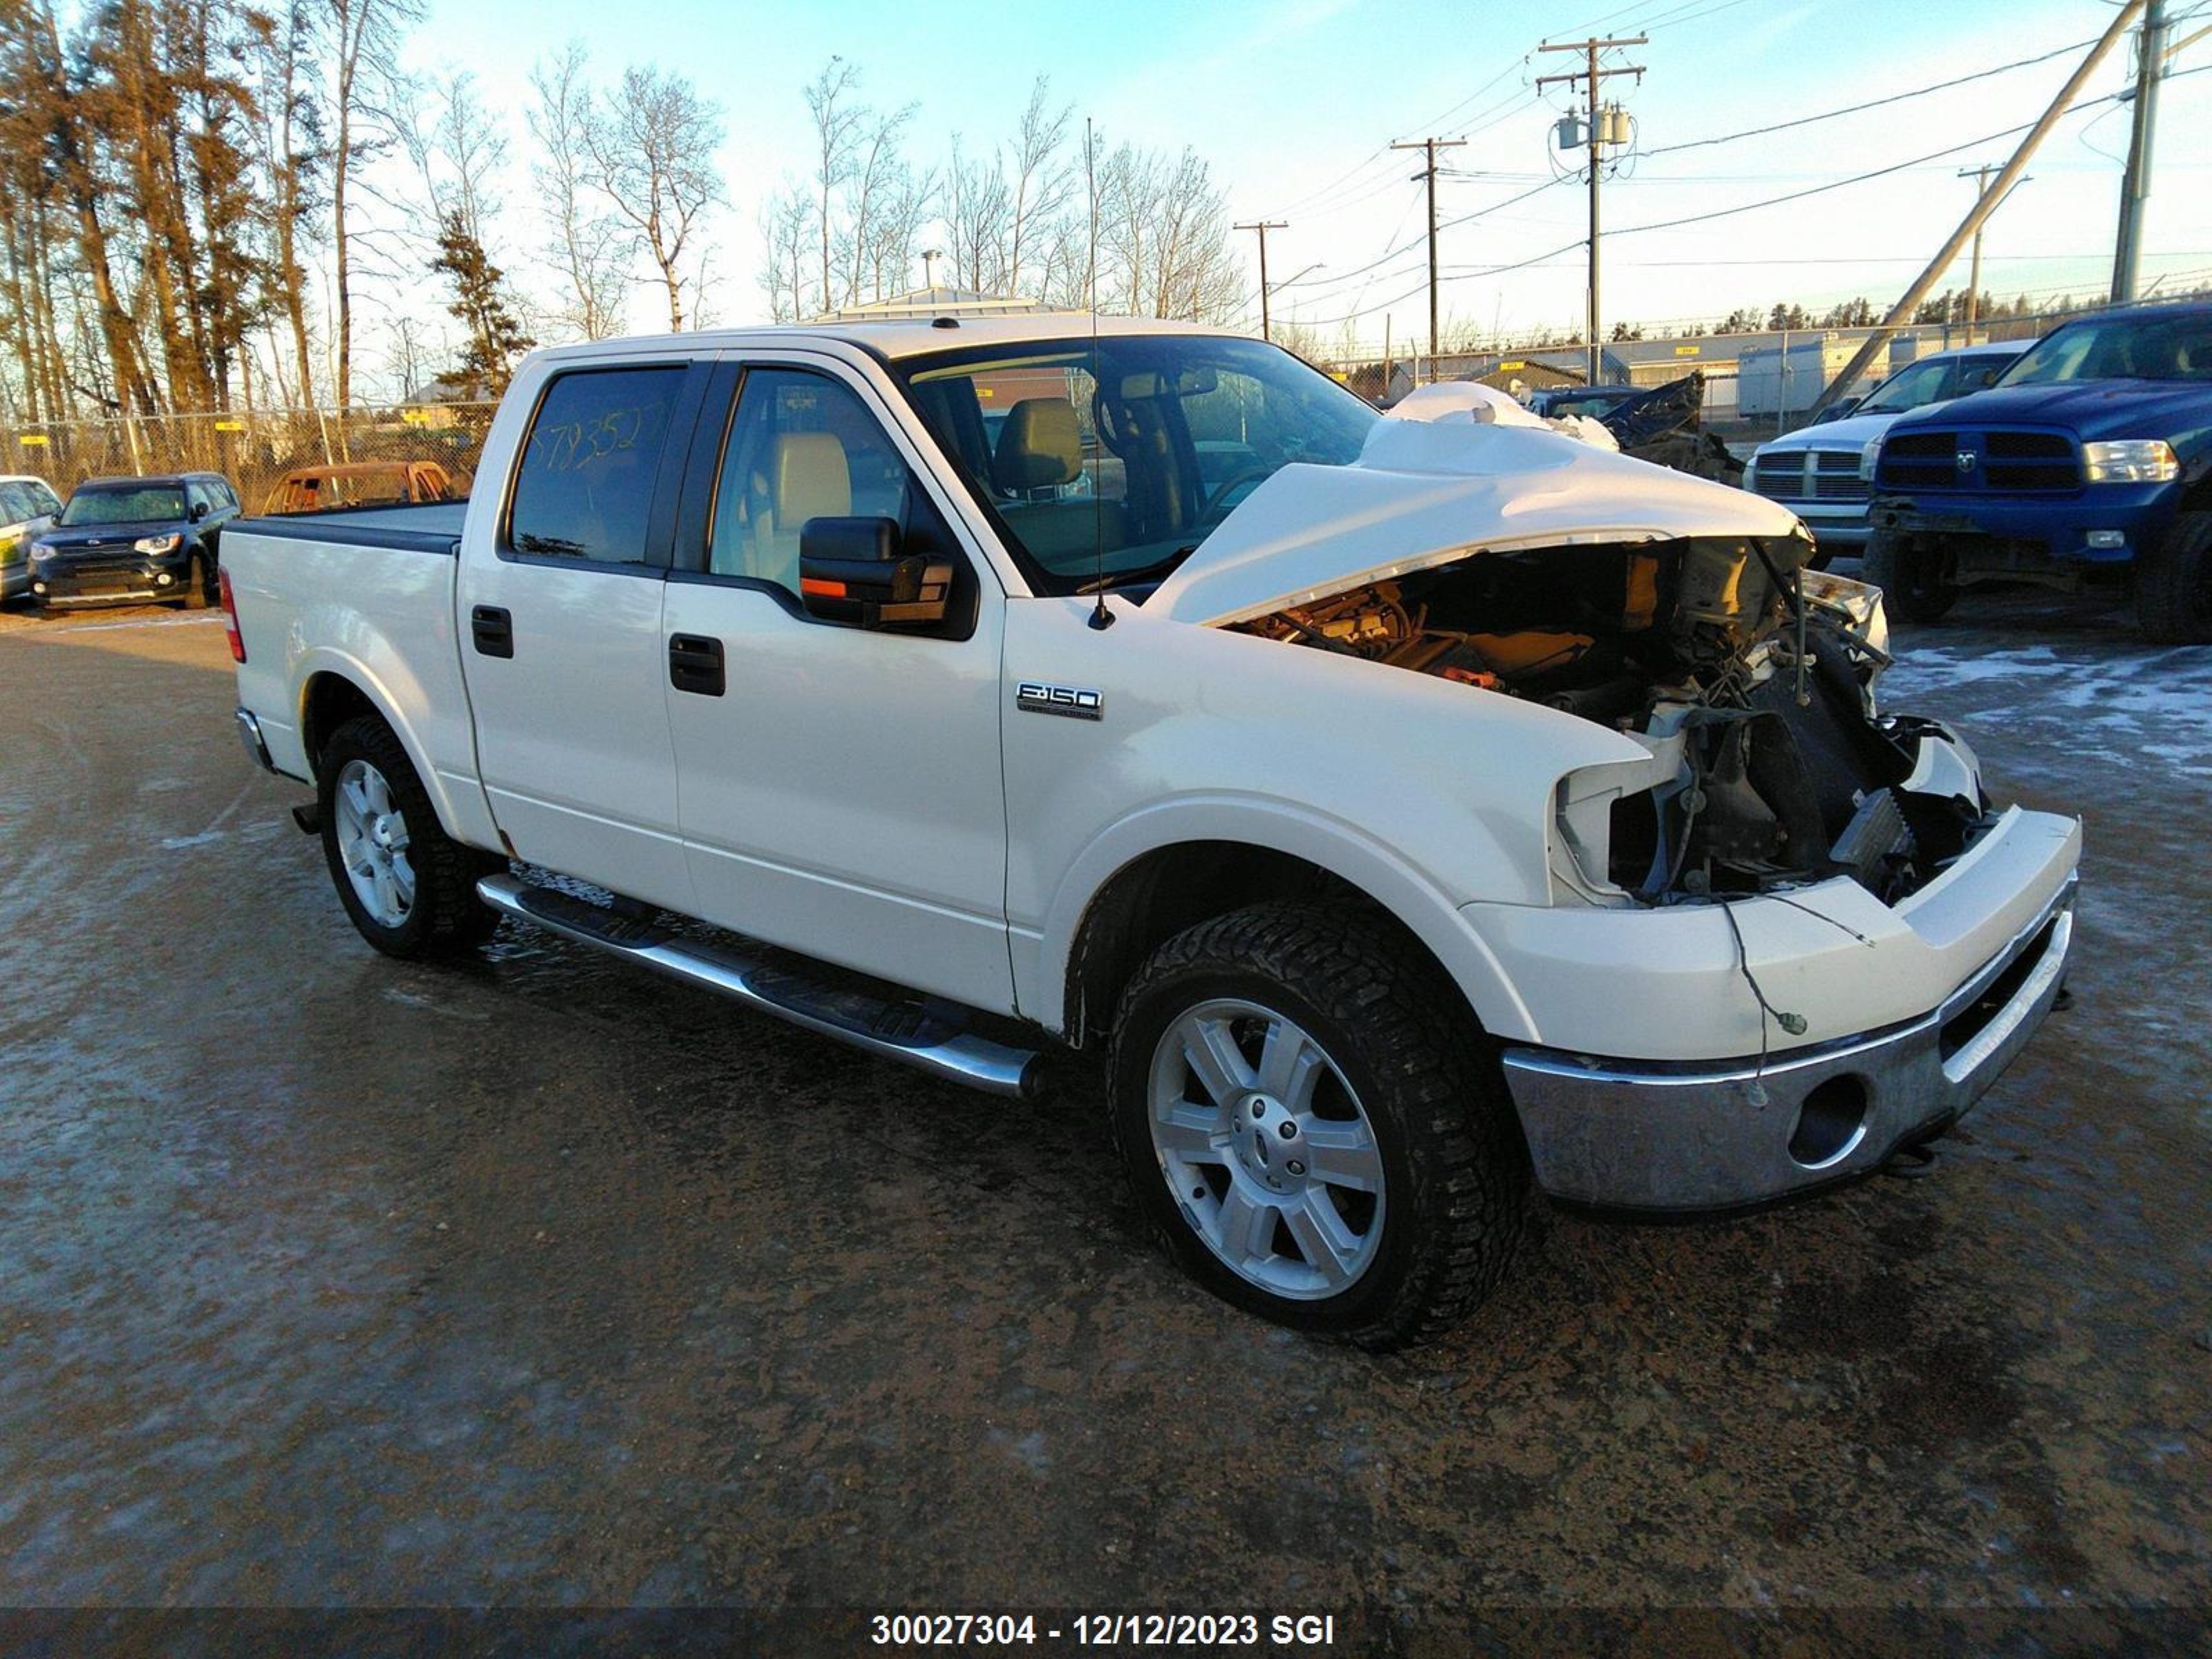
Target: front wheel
pixel 195 586
pixel 1918 583
pixel 1309 1129
pixel 2173 583
pixel 409 888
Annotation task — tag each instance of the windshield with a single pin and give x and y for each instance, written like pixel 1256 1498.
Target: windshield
pixel 2177 348
pixel 1125 470
pixel 140 504
pixel 1909 388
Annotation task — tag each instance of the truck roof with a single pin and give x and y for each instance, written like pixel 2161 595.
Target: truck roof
pixel 150 480
pixel 897 337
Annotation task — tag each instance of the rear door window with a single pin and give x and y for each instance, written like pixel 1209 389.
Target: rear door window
pixel 583 487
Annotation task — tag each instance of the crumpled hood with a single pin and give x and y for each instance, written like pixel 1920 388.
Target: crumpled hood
pixel 1426 493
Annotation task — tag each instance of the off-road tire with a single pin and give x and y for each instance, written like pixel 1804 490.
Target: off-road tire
pixel 1456 1169
pixel 446 917
pixel 195 596
pixel 2173 583
pixel 1914 588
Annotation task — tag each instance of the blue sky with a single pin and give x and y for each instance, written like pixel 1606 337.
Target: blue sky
pixel 1291 101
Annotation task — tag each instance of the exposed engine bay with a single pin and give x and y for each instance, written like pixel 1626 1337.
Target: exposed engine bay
pixel 1748 679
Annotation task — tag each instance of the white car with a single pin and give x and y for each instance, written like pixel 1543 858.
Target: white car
pixel 1816 472
pixel 1420 809
pixel 27 506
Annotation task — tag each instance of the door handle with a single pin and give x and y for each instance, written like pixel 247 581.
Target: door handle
pixel 695 663
pixel 493 630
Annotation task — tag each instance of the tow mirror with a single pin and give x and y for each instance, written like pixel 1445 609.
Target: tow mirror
pixel 857 571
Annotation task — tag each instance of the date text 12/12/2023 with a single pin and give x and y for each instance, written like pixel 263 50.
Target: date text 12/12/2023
pixel 1104 1629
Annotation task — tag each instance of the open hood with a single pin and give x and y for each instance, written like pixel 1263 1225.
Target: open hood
pixel 1427 493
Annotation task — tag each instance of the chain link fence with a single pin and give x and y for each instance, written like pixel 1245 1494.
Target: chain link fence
pixel 253 449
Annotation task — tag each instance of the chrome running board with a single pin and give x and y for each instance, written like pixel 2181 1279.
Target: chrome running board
pixel 910 1033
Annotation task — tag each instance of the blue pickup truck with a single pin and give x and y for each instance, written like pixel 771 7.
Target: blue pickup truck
pixel 2091 457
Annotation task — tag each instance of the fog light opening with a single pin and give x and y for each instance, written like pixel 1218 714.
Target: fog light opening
pixel 1830 1121
pixel 165 579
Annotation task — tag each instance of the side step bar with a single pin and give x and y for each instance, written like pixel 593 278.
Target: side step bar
pixel 907 1032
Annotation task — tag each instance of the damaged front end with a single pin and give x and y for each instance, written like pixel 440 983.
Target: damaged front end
pixel 1746 677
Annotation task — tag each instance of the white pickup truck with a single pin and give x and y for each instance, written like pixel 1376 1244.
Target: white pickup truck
pixel 1409 806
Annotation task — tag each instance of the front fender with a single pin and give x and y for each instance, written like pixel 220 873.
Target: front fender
pixel 1423 794
pixel 1351 854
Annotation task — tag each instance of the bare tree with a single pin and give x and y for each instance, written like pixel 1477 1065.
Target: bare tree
pixel 591 258
pixel 651 147
pixel 907 201
pixel 1042 184
pixel 362 35
pixel 292 157
pixel 976 211
pixel 836 126
pixel 1163 232
pixel 786 225
pixel 876 172
pixel 457 152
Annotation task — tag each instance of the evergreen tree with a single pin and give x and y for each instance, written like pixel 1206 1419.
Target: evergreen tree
pixel 494 337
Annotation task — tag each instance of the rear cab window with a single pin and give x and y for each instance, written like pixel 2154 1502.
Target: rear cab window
pixel 585 482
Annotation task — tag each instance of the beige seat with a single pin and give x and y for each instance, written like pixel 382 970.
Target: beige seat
pixel 1040 448
pixel 807 478
pixel 1040 445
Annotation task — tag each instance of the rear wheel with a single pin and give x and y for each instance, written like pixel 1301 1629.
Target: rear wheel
pixel 195 586
pixel 1918 583
pixel 409 888
pixel 2173 583
pixel 1308 1130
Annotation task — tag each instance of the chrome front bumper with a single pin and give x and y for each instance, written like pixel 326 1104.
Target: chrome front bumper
pixel 1679 1136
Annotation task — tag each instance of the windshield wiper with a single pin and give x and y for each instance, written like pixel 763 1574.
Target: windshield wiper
pixel 1159 570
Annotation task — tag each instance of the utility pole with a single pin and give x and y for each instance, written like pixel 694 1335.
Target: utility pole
pixel 1591 75
pixel 1431 146
pixel 1980 174
pixel 1263 227
pixel 2008 176
pixel 2135 184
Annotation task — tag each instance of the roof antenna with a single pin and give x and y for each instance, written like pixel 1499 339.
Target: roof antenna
pixel 1101 617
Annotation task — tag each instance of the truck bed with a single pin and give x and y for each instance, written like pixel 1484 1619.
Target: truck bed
pixel 414 527
pixel 365 594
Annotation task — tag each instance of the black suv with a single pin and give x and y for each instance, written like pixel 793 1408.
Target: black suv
pixel 126 541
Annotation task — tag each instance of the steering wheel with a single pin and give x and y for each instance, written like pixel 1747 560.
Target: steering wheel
pixel 1251 475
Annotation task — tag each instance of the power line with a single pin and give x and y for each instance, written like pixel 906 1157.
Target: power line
pixel 1337 283
pixel 1875 103
pixel 1727 212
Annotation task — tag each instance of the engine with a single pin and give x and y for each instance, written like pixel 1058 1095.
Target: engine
pixel 1748 677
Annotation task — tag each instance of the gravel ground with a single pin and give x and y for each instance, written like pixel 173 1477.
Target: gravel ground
pixel 326 1279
